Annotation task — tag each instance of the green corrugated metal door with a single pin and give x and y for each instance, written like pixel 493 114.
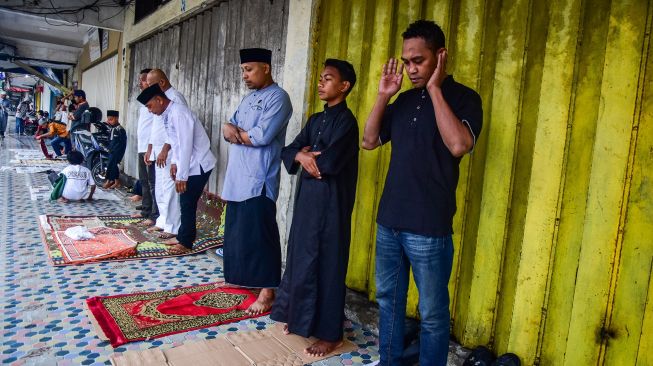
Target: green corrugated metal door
pixel 554 232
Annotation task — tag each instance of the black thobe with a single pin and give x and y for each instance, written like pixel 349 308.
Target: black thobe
pixel 117 147
pixel 311 297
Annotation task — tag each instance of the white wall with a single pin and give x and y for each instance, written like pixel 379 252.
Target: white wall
pixel 99 83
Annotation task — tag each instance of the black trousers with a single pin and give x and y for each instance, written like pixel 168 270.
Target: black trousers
pixel 146 175
pixel 188 207
pixel 113 172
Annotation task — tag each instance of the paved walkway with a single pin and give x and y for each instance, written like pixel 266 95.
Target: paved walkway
pixel 42 316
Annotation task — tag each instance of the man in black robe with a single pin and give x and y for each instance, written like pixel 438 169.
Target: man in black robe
pixel 311 297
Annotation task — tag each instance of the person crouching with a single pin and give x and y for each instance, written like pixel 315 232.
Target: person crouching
pixel 117 146
pixel 55 131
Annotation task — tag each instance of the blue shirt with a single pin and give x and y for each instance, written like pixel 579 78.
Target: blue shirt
pixel 264 114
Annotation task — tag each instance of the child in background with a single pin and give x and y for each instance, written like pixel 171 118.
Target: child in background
pixel 117 146
pixel 78 179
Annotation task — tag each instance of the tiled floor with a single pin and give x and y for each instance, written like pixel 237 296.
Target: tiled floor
pixel 42 316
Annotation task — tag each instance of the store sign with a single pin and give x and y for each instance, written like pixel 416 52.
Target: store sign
pixel 94 51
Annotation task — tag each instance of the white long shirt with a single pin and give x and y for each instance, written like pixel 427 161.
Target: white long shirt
pixel 191 147
pixel 144 128
pixel 159 135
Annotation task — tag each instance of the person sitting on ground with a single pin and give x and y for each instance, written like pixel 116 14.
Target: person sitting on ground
pixel 78 179
pixel 311 297
pixel 57 132
pixel 117 146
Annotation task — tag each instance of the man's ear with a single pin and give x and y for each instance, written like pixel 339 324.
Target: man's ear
pixel 346 85
pixel 267 68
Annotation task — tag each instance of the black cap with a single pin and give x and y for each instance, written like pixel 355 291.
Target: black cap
pixel 112 113
pixel 255 55
pixel 149 93
pixel 345 69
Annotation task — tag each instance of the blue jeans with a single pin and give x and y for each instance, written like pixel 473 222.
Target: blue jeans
pixel 3 123
pixel 56 145
pixel 431 259
pixel 20 125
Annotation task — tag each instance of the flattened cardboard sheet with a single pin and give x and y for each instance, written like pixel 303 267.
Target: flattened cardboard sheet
pixel 269 347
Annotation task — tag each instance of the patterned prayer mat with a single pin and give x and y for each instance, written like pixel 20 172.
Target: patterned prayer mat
pixel 147 315
pixel 39 162
pixel 36 165
pixel 119 238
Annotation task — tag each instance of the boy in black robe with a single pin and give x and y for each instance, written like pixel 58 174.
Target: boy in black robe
pixel 117 146
pixel 311 297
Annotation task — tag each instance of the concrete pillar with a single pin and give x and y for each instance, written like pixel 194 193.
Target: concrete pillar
pixel 296 79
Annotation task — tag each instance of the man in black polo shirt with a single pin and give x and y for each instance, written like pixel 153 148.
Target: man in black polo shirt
pixel 431 127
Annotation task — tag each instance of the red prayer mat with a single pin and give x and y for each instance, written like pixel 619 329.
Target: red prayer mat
pixel 147 315
pixel 107 243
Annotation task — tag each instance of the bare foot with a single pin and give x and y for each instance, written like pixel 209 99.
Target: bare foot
pixel 146 223
pixel 263 303
pixel 285 329
pixel 135 198
pixel 136 216
pixel 116 185
pixel 107 184
pixel 152 229
pixel 62 200
pixel 321 348
pixel 178 249
pixel 166 236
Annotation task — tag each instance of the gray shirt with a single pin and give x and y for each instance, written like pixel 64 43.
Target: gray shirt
pixel 264 114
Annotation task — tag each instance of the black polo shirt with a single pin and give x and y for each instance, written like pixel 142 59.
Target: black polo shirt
pixel 420 189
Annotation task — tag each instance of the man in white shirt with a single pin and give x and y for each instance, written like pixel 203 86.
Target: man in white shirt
pixel 146 173
pixel 192 160
pixel 158 152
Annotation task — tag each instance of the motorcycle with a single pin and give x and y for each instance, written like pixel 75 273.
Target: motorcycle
pixel 31 124
pixel 93 145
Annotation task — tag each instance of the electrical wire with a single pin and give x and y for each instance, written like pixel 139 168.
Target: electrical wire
pixel 79 11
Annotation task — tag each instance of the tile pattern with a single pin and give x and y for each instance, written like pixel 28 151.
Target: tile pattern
pixel 42 317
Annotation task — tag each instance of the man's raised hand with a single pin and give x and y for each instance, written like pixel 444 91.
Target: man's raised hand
pixel 440 72
pixel 391 77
